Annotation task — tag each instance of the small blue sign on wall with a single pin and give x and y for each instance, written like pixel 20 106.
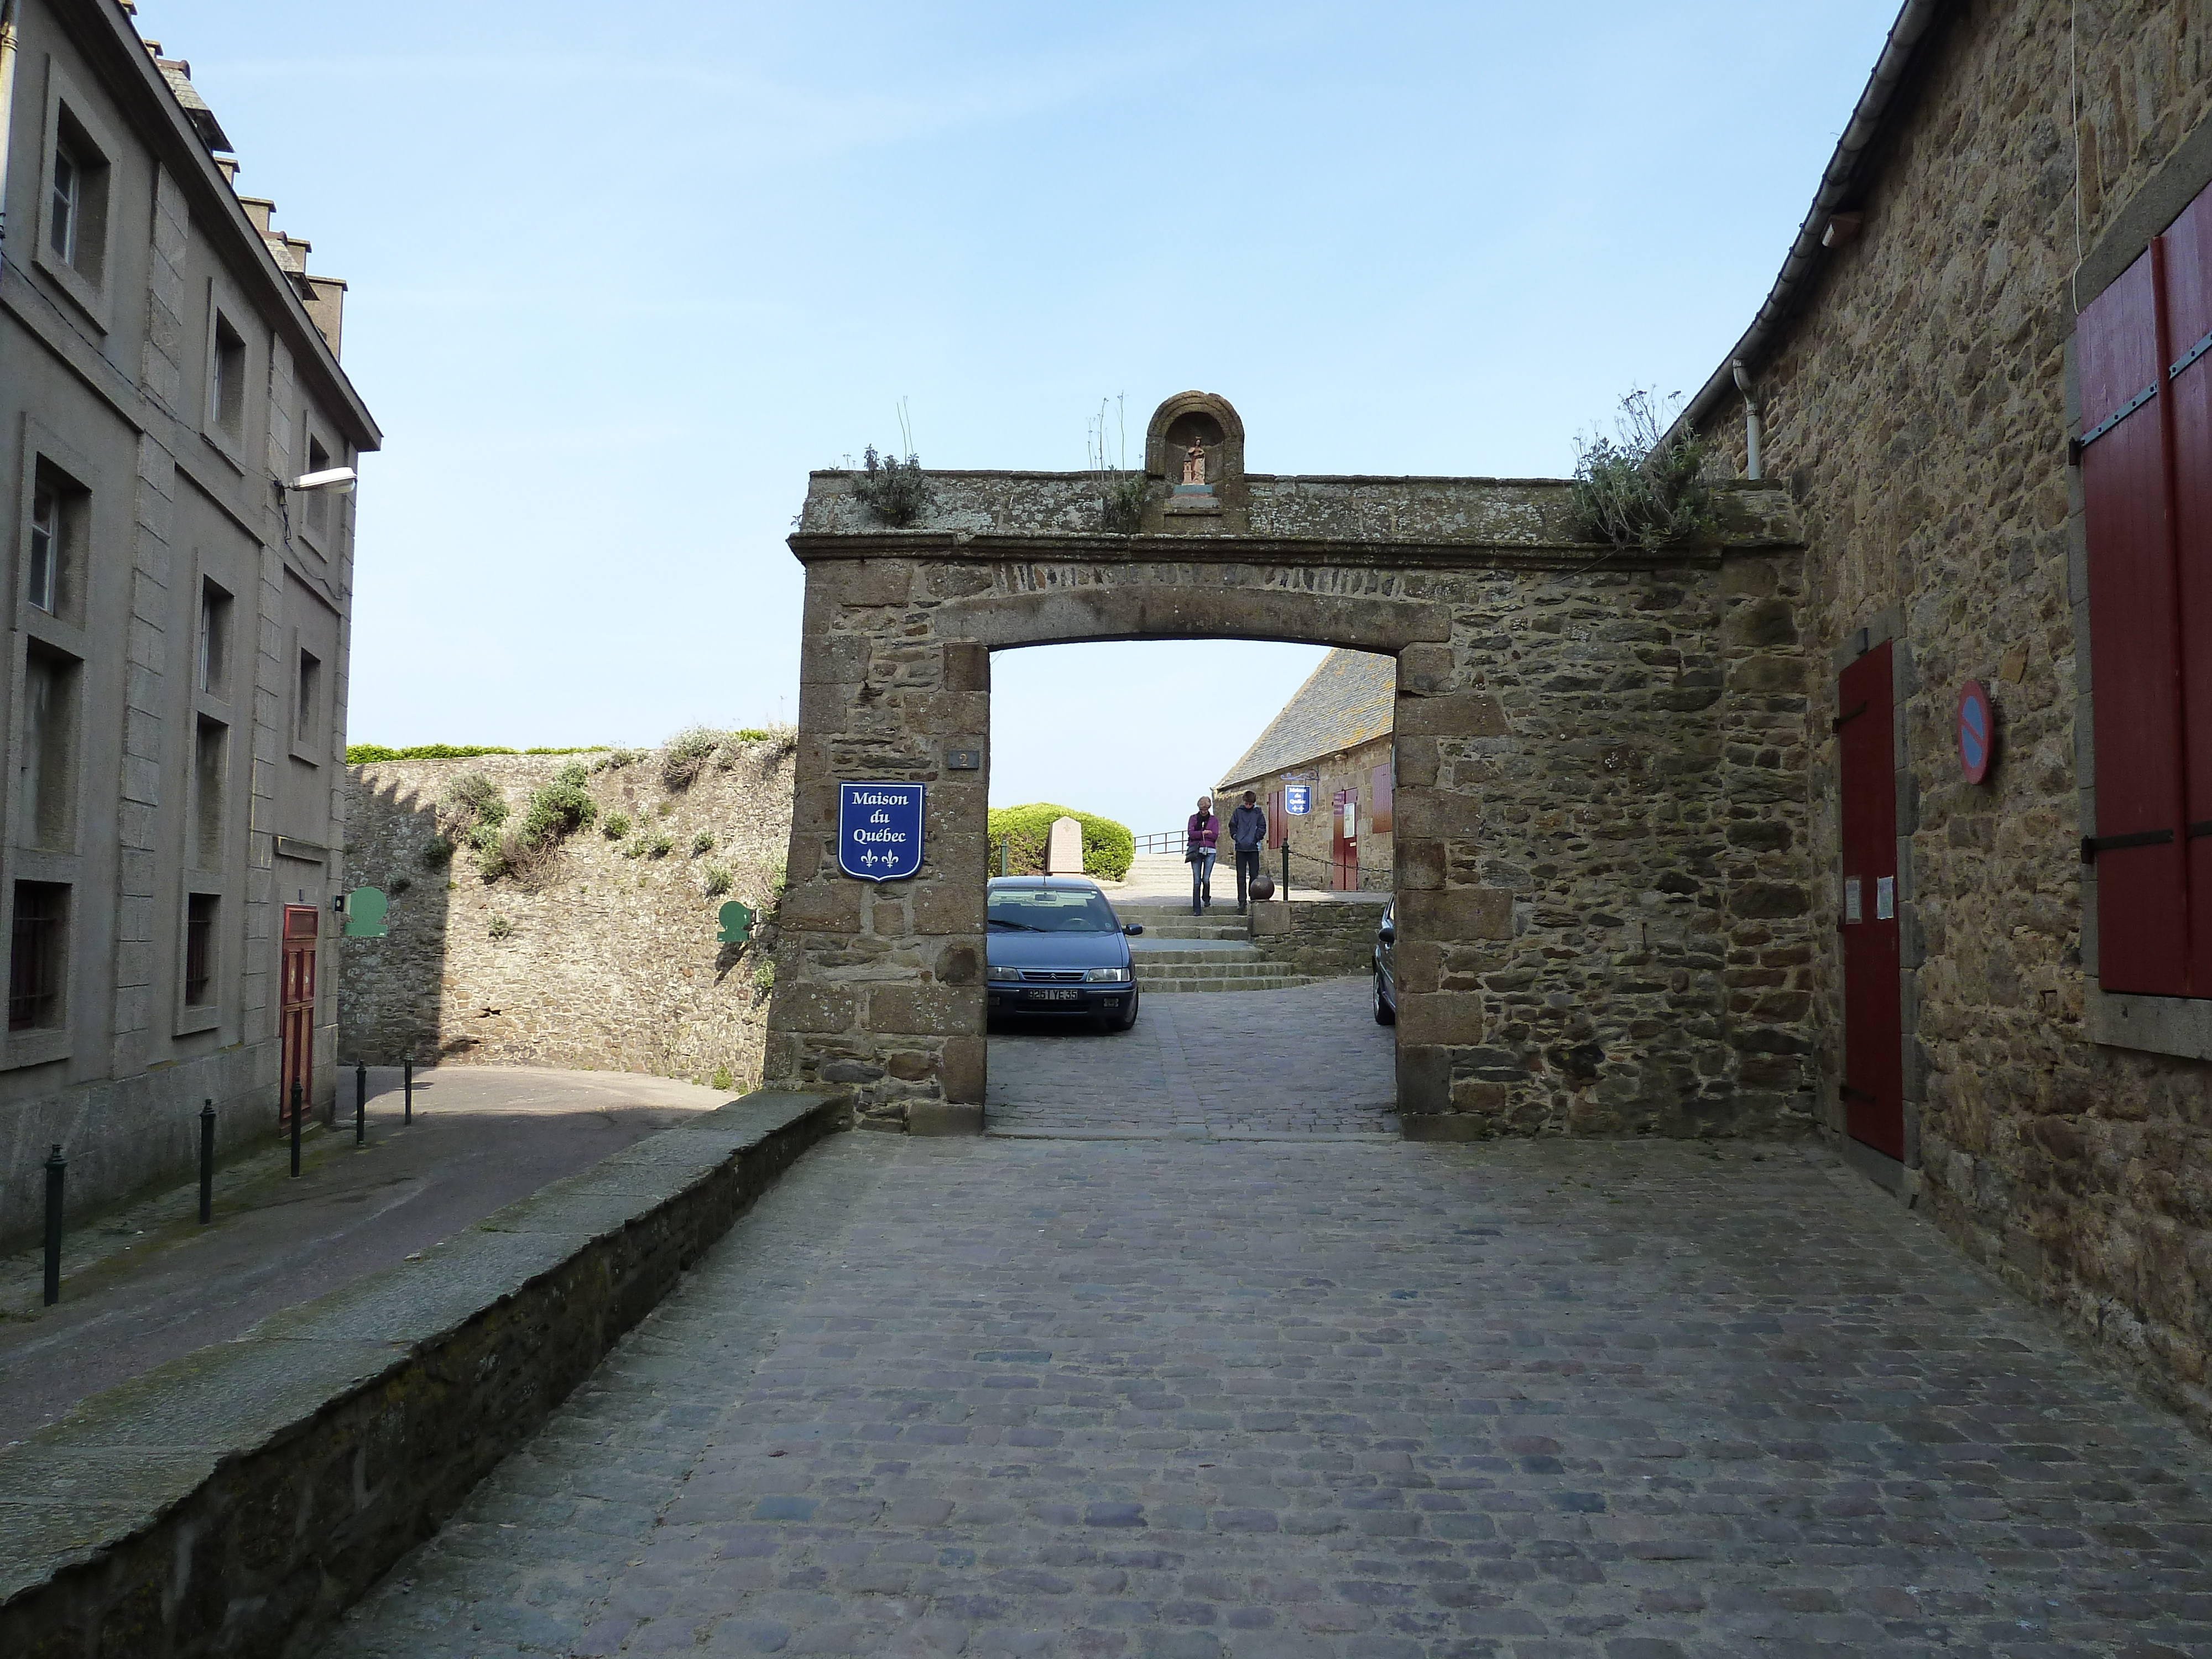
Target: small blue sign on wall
pixel 880 830
pixel 1297 800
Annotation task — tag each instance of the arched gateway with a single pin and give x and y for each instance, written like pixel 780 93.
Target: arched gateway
pixel 1601 761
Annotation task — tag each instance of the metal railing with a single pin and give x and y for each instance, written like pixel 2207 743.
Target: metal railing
pixel 1168 841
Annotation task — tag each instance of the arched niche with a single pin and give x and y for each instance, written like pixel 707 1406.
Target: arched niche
pixel 1206 417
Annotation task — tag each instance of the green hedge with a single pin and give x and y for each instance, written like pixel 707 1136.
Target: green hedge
pixel 364 754
pixel 1108 847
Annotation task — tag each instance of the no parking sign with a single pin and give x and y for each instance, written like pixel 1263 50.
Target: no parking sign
pixel 1977 732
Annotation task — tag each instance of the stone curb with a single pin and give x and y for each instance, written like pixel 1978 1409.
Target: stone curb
pixel 235 1500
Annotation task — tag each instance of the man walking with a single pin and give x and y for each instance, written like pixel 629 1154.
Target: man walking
pixel 1247 832
pixel 1202 845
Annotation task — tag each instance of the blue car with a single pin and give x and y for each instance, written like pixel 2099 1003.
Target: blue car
pixel 1055 946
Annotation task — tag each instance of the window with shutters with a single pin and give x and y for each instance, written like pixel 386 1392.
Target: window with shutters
pixel 2143 352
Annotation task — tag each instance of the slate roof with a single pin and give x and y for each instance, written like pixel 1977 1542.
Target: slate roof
pixel 1349 699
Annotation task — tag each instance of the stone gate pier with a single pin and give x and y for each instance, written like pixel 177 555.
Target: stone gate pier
pixel 1601 771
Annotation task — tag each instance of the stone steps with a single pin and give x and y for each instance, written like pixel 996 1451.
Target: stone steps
pixel 1177 985
pixel 1187 926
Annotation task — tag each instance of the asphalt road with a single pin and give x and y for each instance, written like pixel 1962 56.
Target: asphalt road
pixel 148 1284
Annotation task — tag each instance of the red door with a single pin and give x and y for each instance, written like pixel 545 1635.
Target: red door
pixel 1873 1086
pixel 296 1007
pixel 1344 847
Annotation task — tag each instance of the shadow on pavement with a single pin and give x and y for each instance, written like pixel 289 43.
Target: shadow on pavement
pixel 146 1284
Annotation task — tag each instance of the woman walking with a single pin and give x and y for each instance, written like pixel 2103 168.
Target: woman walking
pixel 1201 839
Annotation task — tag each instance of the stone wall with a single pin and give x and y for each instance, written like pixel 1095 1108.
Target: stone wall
pixel 1598 833
pixel 1918 409
pixel 333 1437
pixel 606 962
pixel 1322 938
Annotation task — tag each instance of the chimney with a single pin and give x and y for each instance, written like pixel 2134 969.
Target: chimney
pixel 261 211
pixel 227 166
pixel 326 308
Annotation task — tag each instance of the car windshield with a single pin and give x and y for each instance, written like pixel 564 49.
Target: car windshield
pixel 1052 910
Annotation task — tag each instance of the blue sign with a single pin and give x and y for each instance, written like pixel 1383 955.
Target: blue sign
pixel 1297 800
pixel 879 831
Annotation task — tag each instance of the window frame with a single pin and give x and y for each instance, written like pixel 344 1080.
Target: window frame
pixel 58 995
pixel 71 123
pixel 213 653
pixel 309 741
pixel 200 946
pixel 226 314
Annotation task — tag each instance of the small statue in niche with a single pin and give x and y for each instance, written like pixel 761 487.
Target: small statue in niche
pixel 1193 464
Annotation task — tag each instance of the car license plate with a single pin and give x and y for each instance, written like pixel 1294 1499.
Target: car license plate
pixel 1055 996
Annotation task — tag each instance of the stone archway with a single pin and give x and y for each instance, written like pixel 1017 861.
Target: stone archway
pixel 1602 899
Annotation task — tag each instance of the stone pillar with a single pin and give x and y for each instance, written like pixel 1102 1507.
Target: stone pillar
pixel 880 987
pixel 1444 916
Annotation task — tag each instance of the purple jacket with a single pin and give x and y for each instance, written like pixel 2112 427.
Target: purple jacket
pixel 1204 829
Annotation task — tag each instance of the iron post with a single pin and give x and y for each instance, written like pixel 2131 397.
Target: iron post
pixel 56 1166
pixel 296 1130
pixel 206 1163
pixel 407 1086
pixel 361 1104
pixel 1286 868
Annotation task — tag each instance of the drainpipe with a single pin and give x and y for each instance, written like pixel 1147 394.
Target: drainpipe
pixel 1751 468
pixel 7 9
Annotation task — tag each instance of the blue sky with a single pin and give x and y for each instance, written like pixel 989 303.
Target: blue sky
pixel 622 275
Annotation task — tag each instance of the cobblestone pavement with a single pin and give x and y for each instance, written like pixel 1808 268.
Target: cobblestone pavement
pixel 1227 1065
pixel 1156 1400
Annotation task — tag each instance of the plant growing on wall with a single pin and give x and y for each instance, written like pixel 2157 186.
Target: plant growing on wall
pixel 499 927
pixel 718 880
pixel 1638 488
pixel 615 825
pixel 1120 492
pixel 473 799
pixel 896 489
pixel 702 843
pixel 684 755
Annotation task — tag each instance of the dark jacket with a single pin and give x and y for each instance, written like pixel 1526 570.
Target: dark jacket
pixel 1248 828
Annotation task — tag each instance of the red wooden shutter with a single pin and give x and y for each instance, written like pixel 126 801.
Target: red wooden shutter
pixel 2189 330
pixel 1379 817
pixel 1278 820
pixel 2134 668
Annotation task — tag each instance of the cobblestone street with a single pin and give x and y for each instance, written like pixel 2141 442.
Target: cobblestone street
pixel 1170 1400
pixel 1232 1065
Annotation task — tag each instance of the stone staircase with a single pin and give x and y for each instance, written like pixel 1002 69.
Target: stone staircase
pixel 1179 952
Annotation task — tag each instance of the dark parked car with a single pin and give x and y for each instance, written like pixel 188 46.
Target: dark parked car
pixel 1386 984
pixel 1055 946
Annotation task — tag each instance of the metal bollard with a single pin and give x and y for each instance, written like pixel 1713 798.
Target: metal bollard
pixel 360 1104
pixel 407 1085
pixel 296 1115
pixel 56 1164
pixel 1286 870
pixel 206 1163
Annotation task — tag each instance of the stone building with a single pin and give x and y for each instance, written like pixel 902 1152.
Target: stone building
pixel 174 703
pixel 1333 737
pixel 1983 375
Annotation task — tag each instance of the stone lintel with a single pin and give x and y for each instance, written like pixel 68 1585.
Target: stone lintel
pixel 2154 1025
